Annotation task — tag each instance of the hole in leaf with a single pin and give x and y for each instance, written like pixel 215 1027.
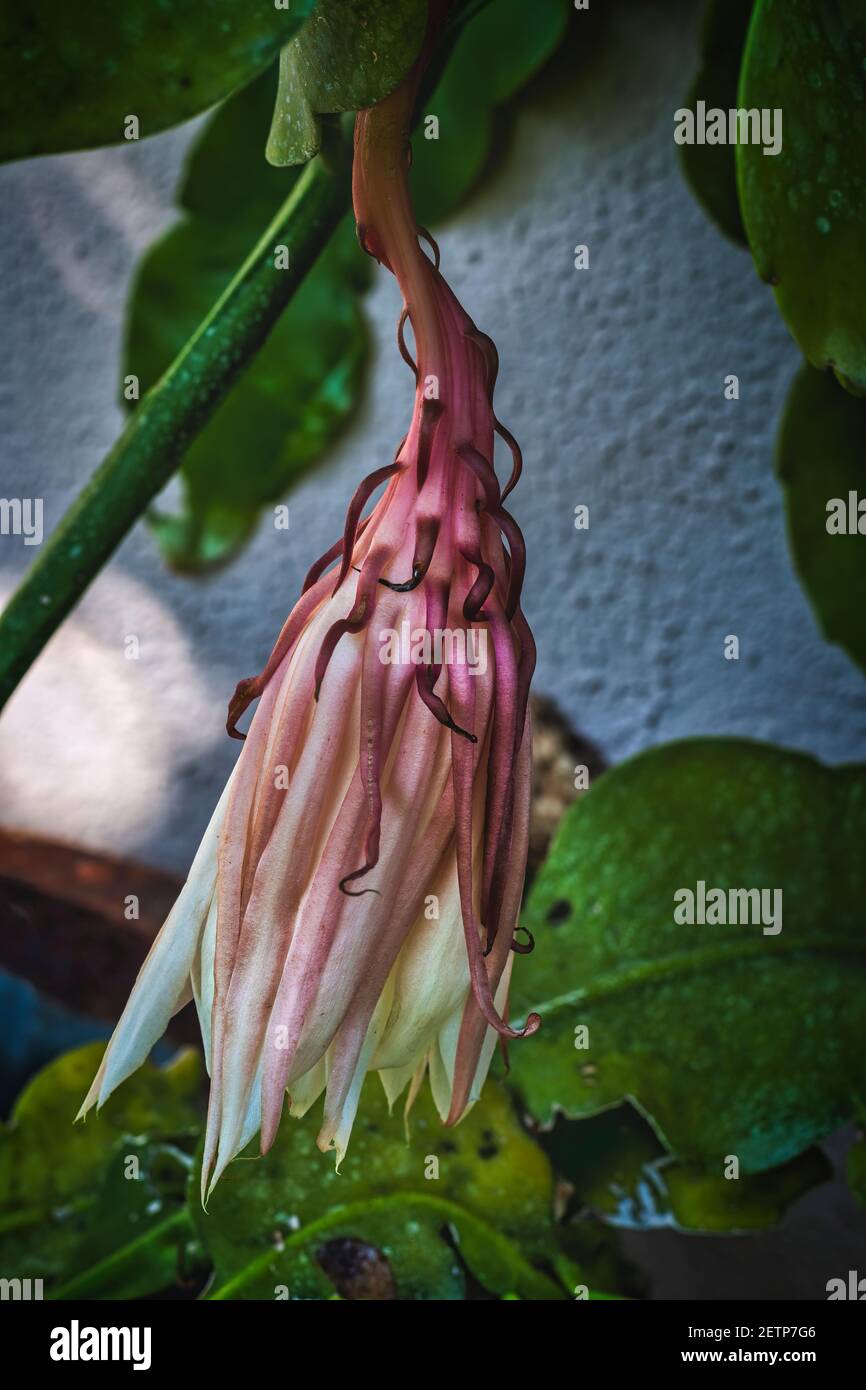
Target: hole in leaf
pixel 358 1271
pixel 559 912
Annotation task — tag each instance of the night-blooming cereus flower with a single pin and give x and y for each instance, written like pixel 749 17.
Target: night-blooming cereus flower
pixel 354 903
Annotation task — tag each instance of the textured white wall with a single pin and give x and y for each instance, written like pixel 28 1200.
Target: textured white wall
pixel 611 378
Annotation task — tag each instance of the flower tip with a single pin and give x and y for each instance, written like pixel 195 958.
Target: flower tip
pixel 208 1183
pixel 329 1143
pixel 95 1096
pixel 268 1133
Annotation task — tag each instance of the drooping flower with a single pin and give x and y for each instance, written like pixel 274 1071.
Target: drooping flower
pixel 354 903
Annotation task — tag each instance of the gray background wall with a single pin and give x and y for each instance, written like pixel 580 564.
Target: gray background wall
pixel 611 378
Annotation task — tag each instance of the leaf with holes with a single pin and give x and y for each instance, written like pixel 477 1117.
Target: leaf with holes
pixel 72 74
pixel 804 208
pixel 732 1039
pixel 821 465
pixel 352 54
pixel 383 1226
pixel 622 1173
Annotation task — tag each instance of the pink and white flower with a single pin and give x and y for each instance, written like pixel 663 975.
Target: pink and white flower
pixel 354 904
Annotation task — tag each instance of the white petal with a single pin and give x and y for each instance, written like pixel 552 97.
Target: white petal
pixel 431 978
pixel 395 1080
pixel 307 1089
pixel 442 1058
pixel 202 977
pixel 336 1130
pixel 163 983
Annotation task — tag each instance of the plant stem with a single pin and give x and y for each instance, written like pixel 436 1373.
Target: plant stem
pixel 170 416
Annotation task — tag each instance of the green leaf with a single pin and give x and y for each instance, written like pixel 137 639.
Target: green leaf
pixel 497 53
pixel 303 385
pixel 133 1237
pixel 820 460
pixel 352 55
pixel 731 1041
pixel 754 1202
pixel 805 208
pixel 70 1213
pixel 150 1263
pixel 290 405
pixel 591 1255
pixel 711 170
pixel 226 180
pixel 71 73
pixel 279 1221
pixel 45 1157
pixel 622 1173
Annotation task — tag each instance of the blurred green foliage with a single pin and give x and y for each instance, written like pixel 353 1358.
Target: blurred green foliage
pixel 802 209
pixel 302 386
pixel 821 466
pixel 495 56
pixel 712 169
pixel 97 1209
pixel 71 74
pixel 803 213
pixel 805 208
